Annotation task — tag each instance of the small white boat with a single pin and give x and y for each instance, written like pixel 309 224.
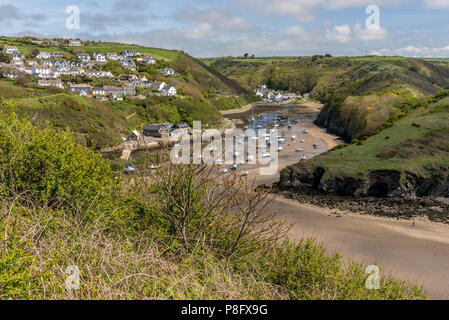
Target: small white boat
pixel 299 149
pixel 234 166
pixel 266 155
pixel 280 149
pixel 303 158
pixel 250 158
pixel 303 140
pixel 241 162
pixel 293 137
pixel 305 131
pixel 245 173
pixel 224 170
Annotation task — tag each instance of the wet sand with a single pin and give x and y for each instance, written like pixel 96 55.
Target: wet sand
pixel 417 253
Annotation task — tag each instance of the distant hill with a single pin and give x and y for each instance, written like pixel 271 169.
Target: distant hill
pixel 359 93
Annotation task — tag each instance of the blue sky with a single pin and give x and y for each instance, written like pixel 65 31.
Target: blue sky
pixel 232 27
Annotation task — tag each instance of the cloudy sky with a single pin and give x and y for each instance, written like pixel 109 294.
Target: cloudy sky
pixel 206 28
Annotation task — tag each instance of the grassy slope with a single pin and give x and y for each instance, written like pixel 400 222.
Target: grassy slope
pixel 415 146
pixel 359 75
pixel 418 143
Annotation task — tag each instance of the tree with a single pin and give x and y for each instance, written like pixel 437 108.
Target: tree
pixel 48 165
pixel 246 55
pixel 24 79
pixel 203 207
pixel 35 53
pixel 4 57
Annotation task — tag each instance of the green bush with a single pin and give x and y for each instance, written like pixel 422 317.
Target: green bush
pixel 47 164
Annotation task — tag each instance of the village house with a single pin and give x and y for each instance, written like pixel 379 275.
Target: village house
pixel 130 53
pixel 128 64
pixel 181 126
pixel 112 56
pixel 10 73
pixel 50 83
pixel 157 130
pixel 113 91
pixel 98 91
pixel 43 55
pixel 134 136
pixel 83 57
pixel 56 55
pixel 129 91
pixel 27 70
pixel 30 62
pixel 157 85
pixel 10 49
pixel 169 91
pixel 98 74
pixel 15 57
pixel 39 71
pixel 75 43
pixel 167 71
pixel 81 89
pixel 148 59
pixel 99 57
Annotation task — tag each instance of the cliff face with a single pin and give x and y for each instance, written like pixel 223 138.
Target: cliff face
pixel 376 183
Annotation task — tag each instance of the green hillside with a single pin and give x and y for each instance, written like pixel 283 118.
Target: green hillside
pixel 203 92
pixel 409 157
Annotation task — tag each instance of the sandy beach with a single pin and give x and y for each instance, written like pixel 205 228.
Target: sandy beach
pixel 418 253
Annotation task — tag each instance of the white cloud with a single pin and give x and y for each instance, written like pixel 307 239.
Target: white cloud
pixel 436 4
pixel 414 51
pixel 305 10
pixel 345 34
pixel 340 34
pixel 372 34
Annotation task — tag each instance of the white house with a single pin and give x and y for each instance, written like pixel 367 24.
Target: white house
pixel 43 55
pixel 112 56
pixel 169 91
pixel 50 83
pixel 17 57
pixel 100 57
pixel 75 43
pixel 39 71
pixel 158 85
pixel 98 91
pixel 83 57
pixel 130 53
pixel 10 49
pixel 81 89
pixel 167 71
pixel 56 55
pixel 148 59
